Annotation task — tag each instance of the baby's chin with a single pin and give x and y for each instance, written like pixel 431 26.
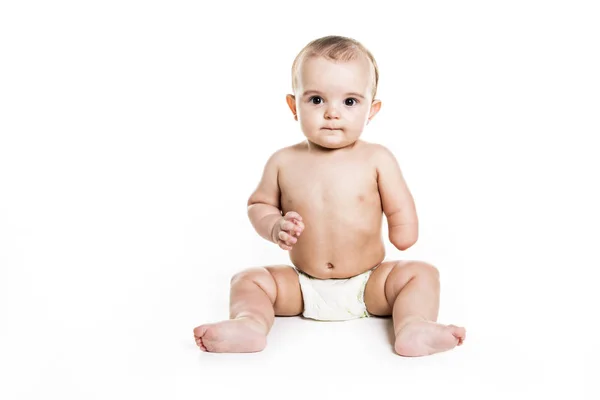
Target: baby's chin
pixel 333 144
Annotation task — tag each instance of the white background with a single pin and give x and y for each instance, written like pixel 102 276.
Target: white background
pixel 132 134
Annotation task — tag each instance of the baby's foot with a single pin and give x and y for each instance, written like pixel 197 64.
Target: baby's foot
pixel 242 335
pixel 420 338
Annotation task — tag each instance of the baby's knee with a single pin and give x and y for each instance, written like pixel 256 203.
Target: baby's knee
pixel 257 275
pixel 406 270
pixel 428 269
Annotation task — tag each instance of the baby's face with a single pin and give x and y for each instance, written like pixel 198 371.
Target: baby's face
pixel 333 100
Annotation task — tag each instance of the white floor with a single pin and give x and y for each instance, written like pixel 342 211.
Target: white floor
pixel 114 334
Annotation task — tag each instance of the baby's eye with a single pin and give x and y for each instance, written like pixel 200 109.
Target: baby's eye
pixel 316 100
pixel 350 101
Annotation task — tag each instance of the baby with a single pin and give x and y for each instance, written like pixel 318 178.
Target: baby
pixel 322 200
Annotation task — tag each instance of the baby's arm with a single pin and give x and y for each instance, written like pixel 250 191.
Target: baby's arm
pixel 264 209
pixel 397 201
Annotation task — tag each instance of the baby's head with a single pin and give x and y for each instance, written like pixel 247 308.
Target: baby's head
pixel 334 80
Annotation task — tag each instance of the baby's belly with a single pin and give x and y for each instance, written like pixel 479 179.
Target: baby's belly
pixel 338 247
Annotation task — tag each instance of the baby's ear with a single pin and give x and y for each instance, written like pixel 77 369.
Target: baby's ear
pixel 375 107
pixel 291 101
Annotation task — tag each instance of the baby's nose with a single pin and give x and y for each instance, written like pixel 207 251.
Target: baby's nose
pixel 331 113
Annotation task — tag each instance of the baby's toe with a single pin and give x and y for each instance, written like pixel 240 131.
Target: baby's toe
pixel 199 332
pixel 458 332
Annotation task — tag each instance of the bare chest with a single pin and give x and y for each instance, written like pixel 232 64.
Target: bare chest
pixel 328 186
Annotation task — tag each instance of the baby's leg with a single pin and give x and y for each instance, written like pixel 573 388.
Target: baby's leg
pixel 410 291
pixel 257 295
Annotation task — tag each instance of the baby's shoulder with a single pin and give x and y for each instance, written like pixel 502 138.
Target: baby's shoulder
pixel 287 153
pixel 374 151
pixel 281 157
pixel 372 147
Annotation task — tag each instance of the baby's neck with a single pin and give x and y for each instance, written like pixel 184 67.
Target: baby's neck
pixel 313 147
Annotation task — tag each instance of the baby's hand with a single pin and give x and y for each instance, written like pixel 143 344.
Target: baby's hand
pixel 287 230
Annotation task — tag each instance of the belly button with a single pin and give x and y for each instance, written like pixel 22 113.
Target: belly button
pixel 330 265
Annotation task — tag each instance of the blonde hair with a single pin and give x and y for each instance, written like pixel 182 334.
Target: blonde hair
pixel 335 48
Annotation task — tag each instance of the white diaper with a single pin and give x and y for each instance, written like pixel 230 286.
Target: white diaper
pixel 334 299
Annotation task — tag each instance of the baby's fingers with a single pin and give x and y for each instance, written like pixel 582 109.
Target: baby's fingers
pixel 284 246
pixel 296 228
pixel 286 238
pixel 288 226
pixel 299 224
pixel 292 215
